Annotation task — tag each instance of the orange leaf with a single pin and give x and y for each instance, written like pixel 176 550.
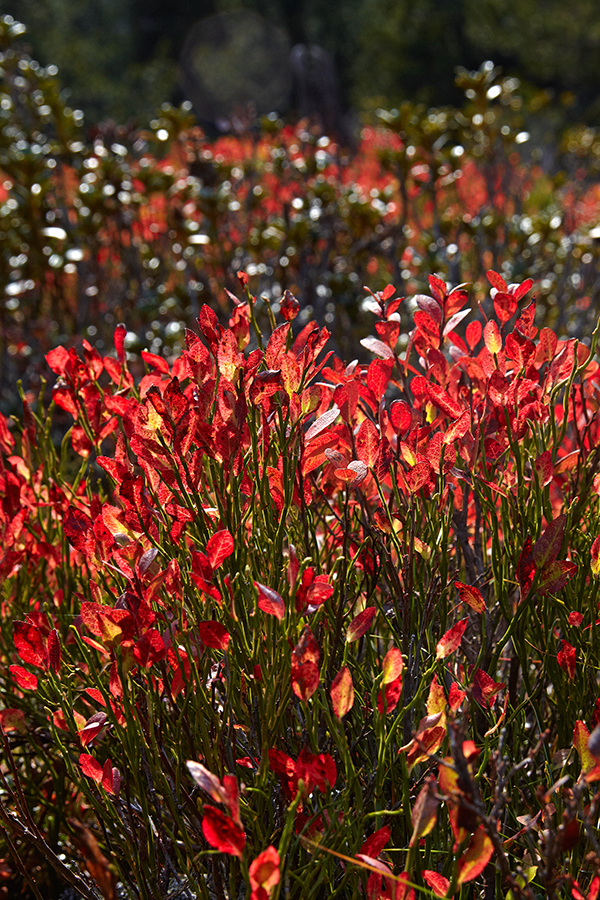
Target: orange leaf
pixel 451 640
pixel 342 693
pixel 471 596
pixel 581 738
pixel 476 857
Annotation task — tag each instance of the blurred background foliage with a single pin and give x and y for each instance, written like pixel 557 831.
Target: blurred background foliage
pixel 120 58
pixel 112 209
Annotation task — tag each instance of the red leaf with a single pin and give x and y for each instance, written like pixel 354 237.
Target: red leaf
pixel 375 844
pixel 92 728
pixel 342 693
pixel 378 376
pixel 543 467
pixel 505 306
pixel 547 547
pixel 595 556
pixel 156 362
pixel 451 639
pixel 229 358
pixel 443 401
pixel 269 601
pixel 431 307
pixel 111 778
pixel 79 530
pixel 305 679
pixel 374 345
pixel 90 767
pixel 367 443
pixel 471 596
pixel 149 649
pixel 206 780
pixel 120 332
pixel 264 873
pixel 360 624
pixel 222 833
pixel 57 359
pixel 526 567
pixel 424 811
pixel 345 397
pixel 519 291
pixel 437 287
pixel 473 335
pixel 400 415
pixel 476 857
pixel 27 681
pixel 438 884
pixel 496 281
pixel 353 474
pixel 12 719
pixel 388 697
pixel 392 666
pixel 213 635
pixel 276 346
pixel 30 645
pixel 219 547
pixel 455 696
pixel 54 654
pixel 485 688
pixel 428 328
pixel 318 769
pixel 555 575
pixel 566 659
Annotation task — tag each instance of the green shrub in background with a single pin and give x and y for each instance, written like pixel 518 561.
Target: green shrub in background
pixel 144 227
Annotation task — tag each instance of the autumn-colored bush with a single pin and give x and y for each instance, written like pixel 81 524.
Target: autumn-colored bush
pixel 106 224
pixel 293 627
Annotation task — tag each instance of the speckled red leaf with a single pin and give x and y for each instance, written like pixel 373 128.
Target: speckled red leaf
pixel 496 280
pixel 367 442
pixel 505 306
pixel 27 681
pixel 438 884
pixel 78 529
pixel 400 415
pixel 29 644
pixel 451 640
pixel 378 376
pixel 485 688
pixel 305 679
pixel 470 595
pixel 547 547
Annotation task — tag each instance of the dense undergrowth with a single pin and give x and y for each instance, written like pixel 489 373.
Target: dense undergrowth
pixel 276 624
pixel 110 224
pixel 354 606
